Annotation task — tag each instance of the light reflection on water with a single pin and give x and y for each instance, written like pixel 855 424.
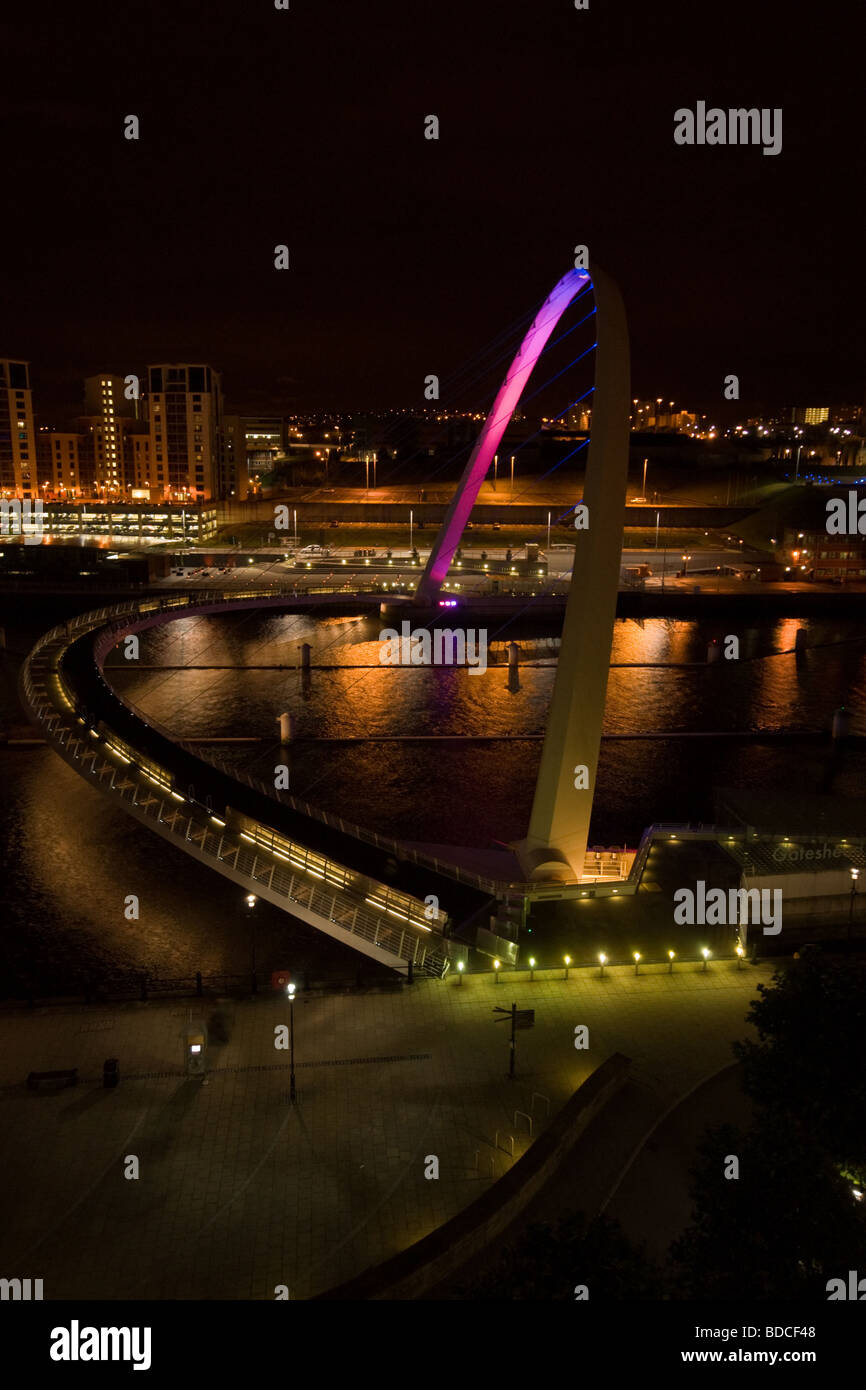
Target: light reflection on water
pixel 475 792
pixel 72 858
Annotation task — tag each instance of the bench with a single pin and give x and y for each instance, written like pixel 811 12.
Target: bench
pixel 55 1079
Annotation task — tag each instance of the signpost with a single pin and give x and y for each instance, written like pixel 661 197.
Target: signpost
pixel 520 1018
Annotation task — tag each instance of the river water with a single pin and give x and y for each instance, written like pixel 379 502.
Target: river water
pixel 72 858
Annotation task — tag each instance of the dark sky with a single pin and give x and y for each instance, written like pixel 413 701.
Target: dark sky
pixel 261 126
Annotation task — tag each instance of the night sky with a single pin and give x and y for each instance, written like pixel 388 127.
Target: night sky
pixel 306 127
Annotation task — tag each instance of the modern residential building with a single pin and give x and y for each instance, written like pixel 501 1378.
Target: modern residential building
pixel 138 458
pixel 109 411
pixel 17 433
pixel 65 464
pixel 185 408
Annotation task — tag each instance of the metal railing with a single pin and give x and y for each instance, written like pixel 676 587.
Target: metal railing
pixel 133 609
pixel 255 865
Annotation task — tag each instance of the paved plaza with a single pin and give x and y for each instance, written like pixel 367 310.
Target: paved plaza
pixel 240 1192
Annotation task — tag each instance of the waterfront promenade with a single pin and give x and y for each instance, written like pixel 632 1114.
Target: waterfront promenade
pixel 239 1192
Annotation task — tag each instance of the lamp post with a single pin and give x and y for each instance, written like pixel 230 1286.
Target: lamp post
pixel 567 960
pixel 636 961
pixel 643 486
pixel 512 473
pixel 411 528
pixel 706 955
pixel 251 903
pixel 740 953
pixel 532 967
pixel 548 530
pixel 855 874
pixel 601 960
pixel 497 965
pixel 671 955
pixel 290 992
pixel 461 966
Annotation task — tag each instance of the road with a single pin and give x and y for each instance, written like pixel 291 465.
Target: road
pixel 267 566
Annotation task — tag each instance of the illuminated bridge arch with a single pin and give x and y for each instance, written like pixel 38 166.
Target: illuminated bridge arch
pixel 572 284
pixel 555 846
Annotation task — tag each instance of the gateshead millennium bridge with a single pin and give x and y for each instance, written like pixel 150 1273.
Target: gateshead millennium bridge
pixel 395 904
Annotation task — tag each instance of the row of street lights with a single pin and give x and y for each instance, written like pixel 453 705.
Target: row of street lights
pixel 706 953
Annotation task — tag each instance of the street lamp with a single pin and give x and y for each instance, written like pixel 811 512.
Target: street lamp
pixel 251 901
pixel 567 964
pixel 497 966
pixel 706 955
pixel 671 955
pixel 855 874
pixel 601 960
pixel 290 991
pixel 461 966
pixel 532 967
pixel 636 961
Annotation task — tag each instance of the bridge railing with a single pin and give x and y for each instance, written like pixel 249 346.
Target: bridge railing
pixel 144 607
pixel 83 748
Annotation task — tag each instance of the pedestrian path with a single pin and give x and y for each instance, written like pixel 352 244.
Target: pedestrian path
pixel 239 1192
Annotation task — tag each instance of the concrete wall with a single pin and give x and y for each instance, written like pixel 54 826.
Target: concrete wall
pixel 414 1272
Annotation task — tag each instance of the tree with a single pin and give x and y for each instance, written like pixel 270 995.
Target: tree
pixel 808 1062
pixel 547 1263
pixel 780 1230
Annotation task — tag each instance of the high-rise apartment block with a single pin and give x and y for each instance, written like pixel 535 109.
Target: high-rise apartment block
pixel 17 434
pixel 65 464
pixel 110 409
pixel 185 408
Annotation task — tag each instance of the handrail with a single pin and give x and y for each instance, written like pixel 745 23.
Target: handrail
pixel 334 905
pixel 144 607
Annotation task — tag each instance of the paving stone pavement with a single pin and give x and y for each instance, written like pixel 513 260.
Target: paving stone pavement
pixel 240 1192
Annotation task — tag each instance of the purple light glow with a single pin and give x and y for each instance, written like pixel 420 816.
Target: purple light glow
pixel 494 427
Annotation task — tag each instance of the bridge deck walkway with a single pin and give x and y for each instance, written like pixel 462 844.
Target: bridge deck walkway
pixel 329 909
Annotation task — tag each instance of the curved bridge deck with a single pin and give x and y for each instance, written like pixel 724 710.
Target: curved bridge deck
pixel 103 740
